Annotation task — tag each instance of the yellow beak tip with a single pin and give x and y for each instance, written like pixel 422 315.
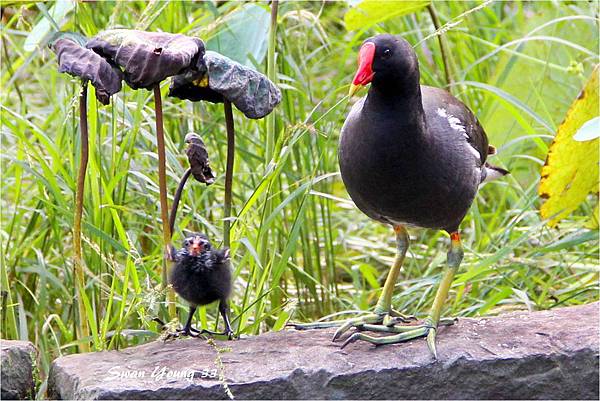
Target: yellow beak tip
pixel 353 89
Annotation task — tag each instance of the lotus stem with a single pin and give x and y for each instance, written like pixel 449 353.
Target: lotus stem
pixel 177 197
pixel 228 172
pixel 84 330
pixel 162 186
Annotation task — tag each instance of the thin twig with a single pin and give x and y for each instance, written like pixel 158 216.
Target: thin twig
pixel 228 172
pixel 453 22
pixel 8 63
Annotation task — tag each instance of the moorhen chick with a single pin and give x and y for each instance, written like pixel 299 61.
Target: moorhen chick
pixel 201 275
pixel 409 155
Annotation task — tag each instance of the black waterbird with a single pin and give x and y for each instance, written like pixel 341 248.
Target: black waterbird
pixel 410 155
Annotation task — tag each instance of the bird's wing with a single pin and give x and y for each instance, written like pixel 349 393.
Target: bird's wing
pixel 221 255
pixel 459 117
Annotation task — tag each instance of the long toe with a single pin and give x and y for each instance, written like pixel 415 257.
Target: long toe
pixel 358 322
pixel 353 338
pixel 189 332
pixel 401 317
pixel 401 333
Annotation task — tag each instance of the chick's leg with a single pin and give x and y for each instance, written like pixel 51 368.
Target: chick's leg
pixel 383 315
pixel 224 311
pixel 188 330
pixel 429 327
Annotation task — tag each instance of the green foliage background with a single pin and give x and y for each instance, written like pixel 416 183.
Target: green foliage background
pixel 301 250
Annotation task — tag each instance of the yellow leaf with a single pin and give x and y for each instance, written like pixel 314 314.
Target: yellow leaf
pixel 370 12
pixel 571 169
pixel 592 223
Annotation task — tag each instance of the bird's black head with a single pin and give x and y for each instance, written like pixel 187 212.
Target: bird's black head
pixel 196 244
pixel 387 61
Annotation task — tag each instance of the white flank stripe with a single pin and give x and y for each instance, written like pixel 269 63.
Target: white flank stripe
pixel 454 122
pixel 473 151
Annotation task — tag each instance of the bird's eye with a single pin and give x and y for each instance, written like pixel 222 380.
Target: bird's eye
pixel 387 53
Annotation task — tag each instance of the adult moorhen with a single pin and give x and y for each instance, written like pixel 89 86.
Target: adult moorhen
pixel 409 155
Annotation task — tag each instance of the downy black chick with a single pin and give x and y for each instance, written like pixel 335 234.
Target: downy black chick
pixel 202 275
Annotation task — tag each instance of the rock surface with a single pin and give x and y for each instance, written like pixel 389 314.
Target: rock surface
pixel 17 358
pixel 542 355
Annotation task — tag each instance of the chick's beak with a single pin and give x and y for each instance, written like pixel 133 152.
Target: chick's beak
pixel 365 73
pixel 196 247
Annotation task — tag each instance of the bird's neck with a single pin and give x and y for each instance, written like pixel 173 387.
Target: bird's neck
pixel 399 103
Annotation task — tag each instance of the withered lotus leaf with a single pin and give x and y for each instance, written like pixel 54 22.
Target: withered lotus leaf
pixel 147 58
pixel 198 158
pixel 80 62
pixel 249 90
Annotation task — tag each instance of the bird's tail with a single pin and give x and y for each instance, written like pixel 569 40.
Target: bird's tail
pixel 494 172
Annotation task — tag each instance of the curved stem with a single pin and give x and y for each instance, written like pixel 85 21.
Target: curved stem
pixel 162 186
pixel 176 199
pixel 448 67
pixel 77 259
pixel 228 172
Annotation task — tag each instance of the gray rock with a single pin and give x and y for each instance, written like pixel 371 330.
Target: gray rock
pixel 542 355
pixel 17 359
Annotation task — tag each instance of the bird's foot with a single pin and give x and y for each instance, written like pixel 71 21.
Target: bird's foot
pixel 384 319
pixel 230 334
pixel 183 332
pixel 170 333
pixel 402 333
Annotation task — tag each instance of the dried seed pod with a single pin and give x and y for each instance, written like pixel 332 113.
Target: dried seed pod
pixel 147 58
pixel 198 158
pixel 249 90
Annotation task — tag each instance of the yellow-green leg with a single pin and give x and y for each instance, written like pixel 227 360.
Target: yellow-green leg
pixel 383 315
pixel 432 322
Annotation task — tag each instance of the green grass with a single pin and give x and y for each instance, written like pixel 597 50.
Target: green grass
pixel 300 249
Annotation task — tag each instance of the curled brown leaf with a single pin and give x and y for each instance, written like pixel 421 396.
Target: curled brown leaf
pixel 147 58
pixel 80 62
pixel 249 90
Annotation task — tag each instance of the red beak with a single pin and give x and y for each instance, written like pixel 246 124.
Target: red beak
pixel 364 75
